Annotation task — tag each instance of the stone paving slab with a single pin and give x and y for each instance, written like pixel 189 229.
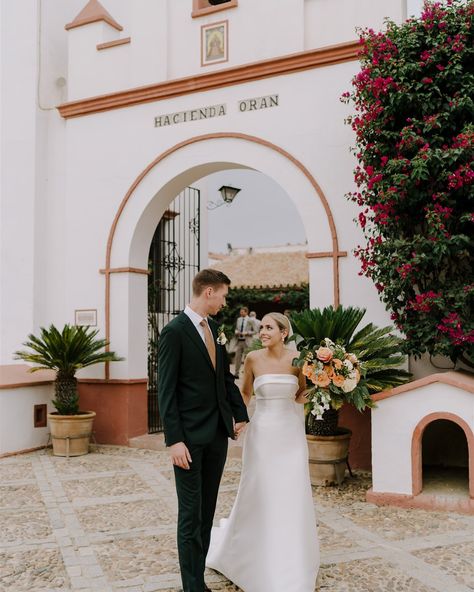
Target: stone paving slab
pixel 105 522
pixel 457 560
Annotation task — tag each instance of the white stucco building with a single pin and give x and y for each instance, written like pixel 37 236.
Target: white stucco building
pixel 109 111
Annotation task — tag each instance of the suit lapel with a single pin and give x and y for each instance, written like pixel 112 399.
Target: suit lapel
pixel 193 334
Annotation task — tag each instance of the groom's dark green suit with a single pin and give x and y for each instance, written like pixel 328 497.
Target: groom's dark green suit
pixel 198 405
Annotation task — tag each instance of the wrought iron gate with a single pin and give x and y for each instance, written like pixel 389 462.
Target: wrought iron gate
pixel 173 262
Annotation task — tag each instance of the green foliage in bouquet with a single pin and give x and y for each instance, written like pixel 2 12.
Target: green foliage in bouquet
pixel 358 363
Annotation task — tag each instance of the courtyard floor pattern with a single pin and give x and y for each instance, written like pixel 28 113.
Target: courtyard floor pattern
pixel 105 522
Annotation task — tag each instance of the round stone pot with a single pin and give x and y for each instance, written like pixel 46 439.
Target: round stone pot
pixel 71 434
pixel 328 457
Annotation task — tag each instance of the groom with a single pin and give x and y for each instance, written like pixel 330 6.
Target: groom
pixel 201 407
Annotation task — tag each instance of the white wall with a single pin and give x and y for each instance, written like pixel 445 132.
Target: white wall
pixel 393 423
pixel 18 278
pixel 17 431
pixel 321 16
pixel 63 181
pixel 171 47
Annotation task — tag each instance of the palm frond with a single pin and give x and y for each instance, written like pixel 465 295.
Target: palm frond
pixel 66 351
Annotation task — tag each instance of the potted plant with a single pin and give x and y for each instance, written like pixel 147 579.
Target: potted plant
pixel 66 352
pixel 341 366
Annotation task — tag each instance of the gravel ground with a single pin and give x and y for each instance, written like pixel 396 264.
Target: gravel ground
pixel 106 522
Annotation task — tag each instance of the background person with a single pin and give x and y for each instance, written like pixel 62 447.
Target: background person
pixel 244 332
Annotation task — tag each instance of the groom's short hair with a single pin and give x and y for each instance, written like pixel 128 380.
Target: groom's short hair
pixel 209 277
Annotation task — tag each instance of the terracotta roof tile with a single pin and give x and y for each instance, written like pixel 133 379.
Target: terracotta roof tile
pixel 266 270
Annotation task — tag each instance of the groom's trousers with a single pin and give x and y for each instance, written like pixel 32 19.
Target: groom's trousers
pixel 197 490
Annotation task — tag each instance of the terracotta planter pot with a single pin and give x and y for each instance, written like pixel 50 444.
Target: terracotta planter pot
pixel 328 457
pixel 71 434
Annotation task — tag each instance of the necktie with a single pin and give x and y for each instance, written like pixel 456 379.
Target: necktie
pixel 211 346
pixel 242 325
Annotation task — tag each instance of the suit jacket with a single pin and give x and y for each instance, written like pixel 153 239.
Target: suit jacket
pixel 192 395
pixel 249 327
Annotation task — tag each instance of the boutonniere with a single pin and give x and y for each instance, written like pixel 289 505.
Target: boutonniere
pixel 221 337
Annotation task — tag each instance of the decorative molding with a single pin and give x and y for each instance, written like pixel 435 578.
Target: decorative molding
pixel 199 8
pixel 93 12
pixel 115 43
pixel 325 254
pixel 112 380
pixel 14 376
pixel 170 215
pixel 289 64
pixel 125 270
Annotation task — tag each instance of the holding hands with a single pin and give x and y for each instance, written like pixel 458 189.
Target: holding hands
pixel 239 428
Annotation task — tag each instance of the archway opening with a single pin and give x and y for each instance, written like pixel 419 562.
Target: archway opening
pixel 445 458
pixel 258 240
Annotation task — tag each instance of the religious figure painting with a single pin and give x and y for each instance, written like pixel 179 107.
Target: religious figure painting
pixel 214 43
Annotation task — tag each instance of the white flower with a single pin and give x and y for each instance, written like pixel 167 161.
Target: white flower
pixel 348 364
pixel 222 339
pixel 349 385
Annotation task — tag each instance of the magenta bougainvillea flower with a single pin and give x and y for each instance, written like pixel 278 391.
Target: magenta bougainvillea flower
pixel 414 132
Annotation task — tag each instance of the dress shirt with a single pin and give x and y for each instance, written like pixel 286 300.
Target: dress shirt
pixel 196 319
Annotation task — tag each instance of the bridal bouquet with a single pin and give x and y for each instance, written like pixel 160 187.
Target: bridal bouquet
pixel 332 373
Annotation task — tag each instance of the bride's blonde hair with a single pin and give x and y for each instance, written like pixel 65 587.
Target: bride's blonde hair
pixel 282 321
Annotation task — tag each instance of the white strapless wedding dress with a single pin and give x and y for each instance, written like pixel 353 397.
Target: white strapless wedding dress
pixel 269 543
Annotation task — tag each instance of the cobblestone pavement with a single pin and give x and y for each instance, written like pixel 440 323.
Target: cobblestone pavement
pixel 106 522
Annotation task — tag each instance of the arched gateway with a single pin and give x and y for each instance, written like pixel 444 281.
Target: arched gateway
pixel 135 222
pixel 119 108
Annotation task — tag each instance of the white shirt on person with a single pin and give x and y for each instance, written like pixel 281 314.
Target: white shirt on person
pixel 196 320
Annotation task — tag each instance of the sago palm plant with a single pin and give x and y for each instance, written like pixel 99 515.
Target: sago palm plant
pixel 377 350
pixel 66 352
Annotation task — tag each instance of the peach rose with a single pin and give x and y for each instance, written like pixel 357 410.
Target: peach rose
pixel 307 369
pixel 322 379
pixel 338 380
pixel 324 354
pixel 337 363
pixel 329 370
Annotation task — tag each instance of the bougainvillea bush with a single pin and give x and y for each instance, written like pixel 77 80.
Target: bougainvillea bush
pixel 414 131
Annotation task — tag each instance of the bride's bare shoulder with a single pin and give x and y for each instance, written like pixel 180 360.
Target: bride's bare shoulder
pixel 254 355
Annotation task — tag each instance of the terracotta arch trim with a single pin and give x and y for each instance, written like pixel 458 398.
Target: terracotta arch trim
pixel 416 456
pixel 335 253
pixel 323 254
pixel 125 270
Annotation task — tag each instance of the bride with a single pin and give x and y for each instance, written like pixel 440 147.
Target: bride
pixel 269 542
